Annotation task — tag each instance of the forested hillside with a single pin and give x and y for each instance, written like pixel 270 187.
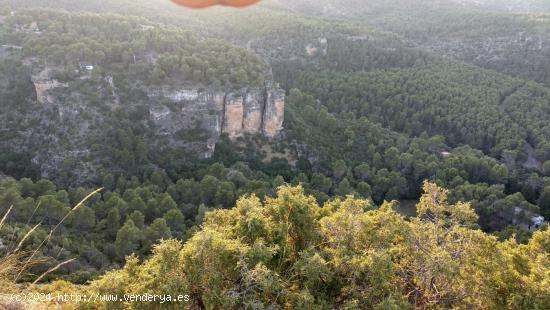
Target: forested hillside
pixel 252 154
pixel 103 76
pixel 507 36
pixel 511 36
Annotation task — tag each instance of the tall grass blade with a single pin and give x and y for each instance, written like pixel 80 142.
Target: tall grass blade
pixel 27 235
pixel 52 270
pixel 49 236
pixel 5 216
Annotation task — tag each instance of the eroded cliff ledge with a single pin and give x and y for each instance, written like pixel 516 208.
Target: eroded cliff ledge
pixel 235 113
pixel 188 119
pixel 254 111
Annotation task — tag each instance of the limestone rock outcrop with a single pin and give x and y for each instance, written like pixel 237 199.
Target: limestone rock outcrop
pixel 190 120
pixel 235 113
pixel 254 111
pixel 43 84
pixel 274 113
pixel 254 104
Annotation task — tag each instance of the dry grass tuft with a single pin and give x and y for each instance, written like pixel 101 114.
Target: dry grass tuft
pixel 48 238
pixel 15 263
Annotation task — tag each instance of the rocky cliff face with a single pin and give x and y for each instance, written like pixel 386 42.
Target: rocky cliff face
pixel 70 116
pixel 43 84
pixel 235 113
pixel 254 111
pixel 273 113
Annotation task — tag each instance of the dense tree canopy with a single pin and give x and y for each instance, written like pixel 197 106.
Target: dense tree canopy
pixel 132 47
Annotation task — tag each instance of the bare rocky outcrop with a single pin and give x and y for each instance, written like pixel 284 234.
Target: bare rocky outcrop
pixel 190 119
pixel 43 88
pixel 255 111
pixel 175 95
pixel 254 104
pixel 274 113
pixel 235 113
pixel 43 84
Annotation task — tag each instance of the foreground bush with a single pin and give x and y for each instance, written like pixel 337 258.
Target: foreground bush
pixel 287 252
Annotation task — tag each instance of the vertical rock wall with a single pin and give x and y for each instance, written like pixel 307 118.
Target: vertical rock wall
pixel 233 115
pixel 208 114
pixel 254 111
pixel 274 113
